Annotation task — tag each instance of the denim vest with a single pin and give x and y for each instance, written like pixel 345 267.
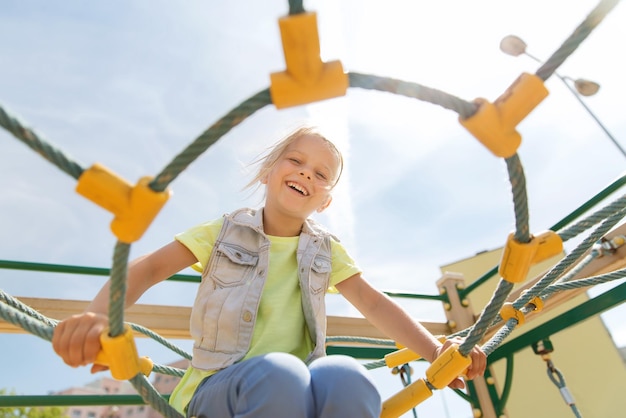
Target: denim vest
pixel 225 309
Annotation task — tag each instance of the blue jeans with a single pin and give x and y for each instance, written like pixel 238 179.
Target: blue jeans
pixel 280 385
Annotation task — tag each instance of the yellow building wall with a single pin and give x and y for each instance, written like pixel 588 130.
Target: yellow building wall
pixel 585 354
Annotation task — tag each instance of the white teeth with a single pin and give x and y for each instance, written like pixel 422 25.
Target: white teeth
pixel 297 187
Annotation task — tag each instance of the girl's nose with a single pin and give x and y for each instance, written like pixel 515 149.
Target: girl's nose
pixel 306 175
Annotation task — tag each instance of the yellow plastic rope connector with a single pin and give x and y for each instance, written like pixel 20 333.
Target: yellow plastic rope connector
pixel 134 207
pixel 517 257
pixel 508 311
pixel 448 366
pixel 119 354
pixel 494 124
pixel 405 355
pixel 618 240
pixel 537 302
pixel 307 79
pixel 405 399
pixel 400 357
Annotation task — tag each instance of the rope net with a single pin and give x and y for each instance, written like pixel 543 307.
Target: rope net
pixel 558 279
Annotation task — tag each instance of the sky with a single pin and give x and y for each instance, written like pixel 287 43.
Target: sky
pixel 129 84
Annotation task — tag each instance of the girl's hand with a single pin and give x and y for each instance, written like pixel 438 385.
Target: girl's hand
pixel 77 339
pixel 477 368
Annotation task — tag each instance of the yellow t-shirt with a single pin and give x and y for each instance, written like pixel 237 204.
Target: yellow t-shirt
pixel 280 325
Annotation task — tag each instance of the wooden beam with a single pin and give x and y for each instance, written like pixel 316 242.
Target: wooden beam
pixel 172 322
pixel 460 315
pixel 168 321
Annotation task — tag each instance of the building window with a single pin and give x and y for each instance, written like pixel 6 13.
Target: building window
pixel 76 413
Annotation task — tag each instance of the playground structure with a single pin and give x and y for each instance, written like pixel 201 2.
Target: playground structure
pixel 493 124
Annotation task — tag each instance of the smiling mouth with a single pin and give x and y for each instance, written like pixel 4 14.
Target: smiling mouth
pixel 297 188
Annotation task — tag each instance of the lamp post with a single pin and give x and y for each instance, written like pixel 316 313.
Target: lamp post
pixel 515 46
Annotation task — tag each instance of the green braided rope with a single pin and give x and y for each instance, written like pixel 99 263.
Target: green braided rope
pixel 23 316
pixel 149 394
pixel 149 333
pixel 171 371
pixel 487 317
pixel 208 138
pixel 30 138
pixel 117 290
pixel 364 340
pixel 27 323
pixel 522 234
pixel 25 309
pixel 575 39
pixel 404 88
pixel 45 330
pixel 520 198
pixel 296 7
pixel 510 325
pixel 586 282
pixel 506 329
pixel 28 311
pixel 574 271
pixel 593 219
pixel 375 364
pixel 361 340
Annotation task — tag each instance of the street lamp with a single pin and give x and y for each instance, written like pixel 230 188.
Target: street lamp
pixel 515 46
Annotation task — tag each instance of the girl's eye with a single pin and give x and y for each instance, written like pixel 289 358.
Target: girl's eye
pixel 322 176
pixel 294 160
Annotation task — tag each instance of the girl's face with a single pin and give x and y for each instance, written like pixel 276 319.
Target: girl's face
pixel 302 178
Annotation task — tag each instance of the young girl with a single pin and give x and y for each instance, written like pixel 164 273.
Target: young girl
pixel 259 319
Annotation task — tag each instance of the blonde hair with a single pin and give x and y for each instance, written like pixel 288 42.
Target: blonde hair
pixel 268 160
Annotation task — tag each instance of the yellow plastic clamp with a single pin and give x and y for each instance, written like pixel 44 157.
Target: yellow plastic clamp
pixel 618 240
pixel 448 366
pixel 508 311
pixel 517 257
pixel 404 355
pixel 307 79
pixel 400 357
pixel 494 124
pixel 537 302
pixel 406 399
pixel 119 354
pixel 134 207
pixel 549 244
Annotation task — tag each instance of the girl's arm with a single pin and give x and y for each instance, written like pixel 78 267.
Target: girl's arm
pixel 391 319
pixel 146 271
pixel 77 338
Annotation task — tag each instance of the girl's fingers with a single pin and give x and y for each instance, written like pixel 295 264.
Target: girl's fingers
pixel 77 339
